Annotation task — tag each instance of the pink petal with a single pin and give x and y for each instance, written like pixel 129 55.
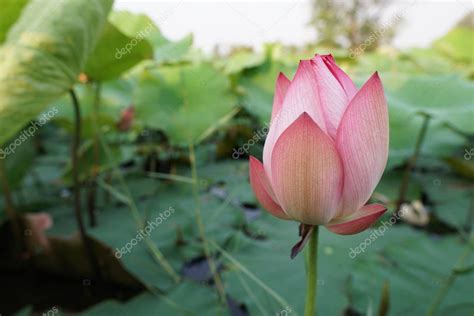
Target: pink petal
pixel 357 222
pixel 281 88
pixel 302 96
pixel 332 95
pixel 362 142
pixel 307 173
pixel 345 81
pixel 263 191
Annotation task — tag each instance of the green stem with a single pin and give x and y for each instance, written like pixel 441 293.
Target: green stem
pixel 200 224
pixel 312 274
pixel 10 208
pixel 95 167
pixel 411 163
pixel 128 199
pixel 252 276
pixel 89 250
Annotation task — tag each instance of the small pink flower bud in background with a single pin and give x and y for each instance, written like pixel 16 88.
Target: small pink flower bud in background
pixel 36 225
pixel 126 119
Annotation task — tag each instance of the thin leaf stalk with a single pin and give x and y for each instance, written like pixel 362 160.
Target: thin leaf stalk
pixel 201 229
pixel 89 250
pixel 411 163
pixel 128 199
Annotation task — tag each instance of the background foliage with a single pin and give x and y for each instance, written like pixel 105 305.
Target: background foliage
pixel 143 114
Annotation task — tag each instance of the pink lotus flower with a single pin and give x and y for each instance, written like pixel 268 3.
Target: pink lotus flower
pixel 326 149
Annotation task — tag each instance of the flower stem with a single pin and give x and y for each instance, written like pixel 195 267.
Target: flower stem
pixel 88 246
pixel 312 274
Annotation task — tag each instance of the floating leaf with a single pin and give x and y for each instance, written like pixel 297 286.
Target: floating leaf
pixel 182 100
pixel 448 102
pixel 448 99
pixel 177 302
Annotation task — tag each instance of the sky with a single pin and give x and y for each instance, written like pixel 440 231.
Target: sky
pixel 228 23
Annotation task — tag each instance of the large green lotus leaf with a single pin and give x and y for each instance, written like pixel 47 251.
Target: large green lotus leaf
pixel 19 161
pixel 164 50
pixel 171 51
pixel 415 270
pixel 132 24
pixel 241 60
pixel 389 61
pixel 336 267
pixel 448 99
pixel 450 197
pixel 457 44
pixel 269 260
pixel 42 56
pixel 405 126
pixel 389 188
pixel 188 298
pixel 234 175
pixel 433 62
pixel 408 260
pixel 182 100
pixel 11 10
pixel 116 226
pixel 415 61
pixel 116 53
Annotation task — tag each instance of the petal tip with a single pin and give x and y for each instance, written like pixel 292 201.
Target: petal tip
pixel 282 79
pixel 366 217
pixel 304 119
pixel 281 75
pixel 375 78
